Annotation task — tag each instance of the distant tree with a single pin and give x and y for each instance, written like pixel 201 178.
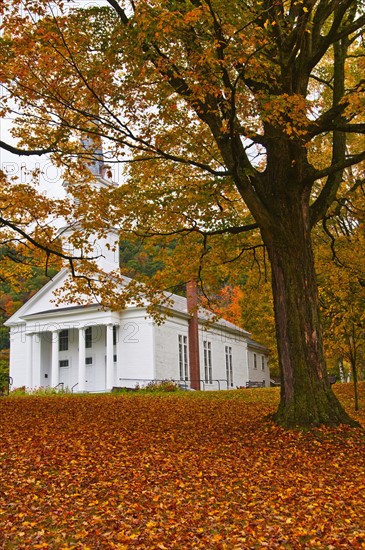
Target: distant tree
pixel 341 273
pixel 249 305
pixel 136 260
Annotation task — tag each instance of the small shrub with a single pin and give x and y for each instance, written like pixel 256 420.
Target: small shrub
pixel 49 391
pixel 162 386
pixel 4 375
pixel 18 391
pixel 42 391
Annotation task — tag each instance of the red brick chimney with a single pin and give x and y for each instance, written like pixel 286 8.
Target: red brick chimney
pixel 192 306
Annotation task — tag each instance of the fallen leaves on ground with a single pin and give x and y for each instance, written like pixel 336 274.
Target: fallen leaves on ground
pixel 187 471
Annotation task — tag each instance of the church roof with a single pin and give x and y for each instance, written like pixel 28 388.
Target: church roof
pixel 174 304
pixel 179 304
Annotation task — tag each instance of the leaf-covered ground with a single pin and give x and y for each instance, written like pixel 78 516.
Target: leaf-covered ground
pixel 176 471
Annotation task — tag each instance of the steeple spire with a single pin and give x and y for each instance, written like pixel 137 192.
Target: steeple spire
pixel 94 162
pixel 94 148
pixel 106 248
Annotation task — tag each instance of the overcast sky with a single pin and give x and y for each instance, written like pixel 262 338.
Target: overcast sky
pixel 18 166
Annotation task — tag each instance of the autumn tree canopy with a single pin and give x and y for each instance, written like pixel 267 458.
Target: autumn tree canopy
pixel 235 123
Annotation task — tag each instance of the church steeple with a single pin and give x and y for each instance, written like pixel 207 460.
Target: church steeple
pixel 94 148
pixel 94 162
pixel 105 249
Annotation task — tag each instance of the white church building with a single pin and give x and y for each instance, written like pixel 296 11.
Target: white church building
pixel 87 348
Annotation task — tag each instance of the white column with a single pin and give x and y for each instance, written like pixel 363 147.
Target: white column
pixel 29 361
pixel 55 370
pixel 82 366
pixel 248 364
pixel 120 363
pixel 37 381
pixel 109 357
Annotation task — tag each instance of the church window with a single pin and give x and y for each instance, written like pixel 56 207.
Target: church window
pixel 63 340
pixel 88 337
pixel 229 366
pixel 183 357
pixel 208 369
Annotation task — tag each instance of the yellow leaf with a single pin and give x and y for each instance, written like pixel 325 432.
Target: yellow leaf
pixel 150 524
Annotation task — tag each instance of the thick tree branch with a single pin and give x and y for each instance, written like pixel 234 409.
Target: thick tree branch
pixel 350 128
pixel 338 137
pixel 24 152
pixel 119 10
pixel 348 161
pixel 320 206
pixel 322 43
pixel 37 244
pixel 236 230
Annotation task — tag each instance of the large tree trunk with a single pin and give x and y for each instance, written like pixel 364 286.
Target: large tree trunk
pixel 306 394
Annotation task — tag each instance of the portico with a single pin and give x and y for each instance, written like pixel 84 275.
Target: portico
pixel 80 354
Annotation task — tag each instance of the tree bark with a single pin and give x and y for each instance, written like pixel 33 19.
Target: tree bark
pixel 306 394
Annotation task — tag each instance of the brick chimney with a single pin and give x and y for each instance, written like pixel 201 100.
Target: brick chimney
pixel 192 306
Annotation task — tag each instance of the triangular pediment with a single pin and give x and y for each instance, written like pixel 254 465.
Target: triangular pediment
pixel 44 300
